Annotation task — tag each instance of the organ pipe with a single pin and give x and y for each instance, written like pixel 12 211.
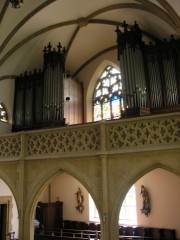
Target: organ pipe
pixel 150 73
pixel 53 98
pixel 130 52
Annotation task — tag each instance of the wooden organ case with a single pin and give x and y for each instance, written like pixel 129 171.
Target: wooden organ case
pixel 150 73
pixel 28 99
pixel 39 96
pixel 50 215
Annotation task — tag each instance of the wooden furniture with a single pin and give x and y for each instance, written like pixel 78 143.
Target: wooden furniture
pixel 49 237
pixel 75 230
pixel 73 234
pixel 50 215
pixel 168 233
pixel 130 233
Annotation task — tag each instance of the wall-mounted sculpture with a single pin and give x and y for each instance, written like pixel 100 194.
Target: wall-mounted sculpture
pixel 80 200
pixel 146 207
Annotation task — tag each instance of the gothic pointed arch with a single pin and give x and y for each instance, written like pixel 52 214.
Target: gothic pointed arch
pixel 107 96
pixel 154 178
pixel 46 187
pixel 89 89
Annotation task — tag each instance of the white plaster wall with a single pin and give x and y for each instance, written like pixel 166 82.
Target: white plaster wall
pixel 91 74
pixel 164 190
pixel 5 128
pixel 7 98
pixel 5 191
pixel 64 187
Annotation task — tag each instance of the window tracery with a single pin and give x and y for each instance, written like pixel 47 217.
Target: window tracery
pixel 107 97
pixel 3 113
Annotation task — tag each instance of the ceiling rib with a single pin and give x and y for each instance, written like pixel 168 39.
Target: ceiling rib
pixel 159 12
pixel 5 6
pixel 144 7
pixel 171 12
pixel 166 14
pixel 19 25
pixel 58 25
pixel 93 58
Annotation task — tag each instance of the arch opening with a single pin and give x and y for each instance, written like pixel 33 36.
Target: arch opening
pixel 164 196
pixel 57 208
pixel 8 212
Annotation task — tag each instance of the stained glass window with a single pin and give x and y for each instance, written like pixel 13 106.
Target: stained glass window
pixel 107 98
pixel 3 113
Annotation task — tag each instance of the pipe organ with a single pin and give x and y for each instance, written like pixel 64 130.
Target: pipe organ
pixel 28 96
pixel 132 67
pixel 150 73
pixel 39 96
pixel 53 97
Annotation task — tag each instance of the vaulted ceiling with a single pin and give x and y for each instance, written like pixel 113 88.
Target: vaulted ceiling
pixel 86 28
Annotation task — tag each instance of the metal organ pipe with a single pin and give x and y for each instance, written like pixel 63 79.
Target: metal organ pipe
pixel 153 83
pixel 150 73
pixel 53 99
pixel 154 77
pixel 129 76
pixel 123 73
pixel 170 80
pixel 130 53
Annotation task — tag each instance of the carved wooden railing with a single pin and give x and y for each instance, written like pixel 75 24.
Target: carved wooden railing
pixel 135 134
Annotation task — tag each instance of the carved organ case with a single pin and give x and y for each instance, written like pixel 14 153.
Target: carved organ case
pixel 53 97
pixel 39 96
pixel 28 101
pixel 132 67
pixel 150 73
